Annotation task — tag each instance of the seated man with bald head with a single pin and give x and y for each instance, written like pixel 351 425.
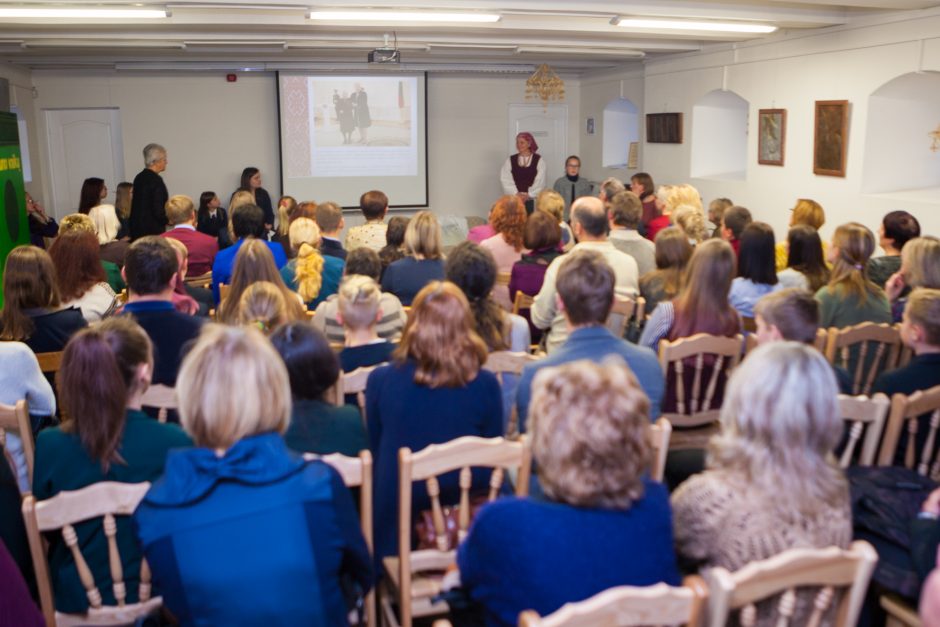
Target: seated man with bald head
pixel 589 224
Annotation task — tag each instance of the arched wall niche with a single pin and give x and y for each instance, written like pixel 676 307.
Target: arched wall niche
pixel 620 127
pixel 719 136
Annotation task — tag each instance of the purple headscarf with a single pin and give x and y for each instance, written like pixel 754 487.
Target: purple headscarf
pixel 533 146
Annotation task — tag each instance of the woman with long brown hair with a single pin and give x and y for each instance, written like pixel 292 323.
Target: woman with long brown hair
pixel 702 305
pixel 673 252
pixel 434 391
pixel 508 218
pixel 32 311
pixel 850 297
pixel 254 262
pixel 104 436
pixel 80 276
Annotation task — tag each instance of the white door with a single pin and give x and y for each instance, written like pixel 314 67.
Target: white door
pixel 82 143
pixel 549 126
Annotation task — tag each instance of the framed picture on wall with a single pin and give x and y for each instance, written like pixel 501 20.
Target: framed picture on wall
pixel 590 126
pixel 831 137
pixel 664 128
pixel 771 136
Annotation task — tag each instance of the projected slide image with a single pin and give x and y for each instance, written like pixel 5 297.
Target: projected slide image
pixel 361 112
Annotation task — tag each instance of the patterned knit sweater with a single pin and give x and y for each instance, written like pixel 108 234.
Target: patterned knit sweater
pixel 721 519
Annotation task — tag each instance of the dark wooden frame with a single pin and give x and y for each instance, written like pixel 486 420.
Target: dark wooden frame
pixel 664 128
pixel 761 114
pixel 822 106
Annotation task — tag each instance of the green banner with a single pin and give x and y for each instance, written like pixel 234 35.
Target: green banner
pixel 14 228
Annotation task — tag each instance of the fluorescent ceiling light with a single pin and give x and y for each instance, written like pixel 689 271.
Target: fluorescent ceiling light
pixel 82 13
pixel 721 27
pixel 402 16
pixel 612 52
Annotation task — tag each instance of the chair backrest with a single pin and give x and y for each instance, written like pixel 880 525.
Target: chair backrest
pixel 163 397
pixel 105 500
pixel 49 363
pixel 353 383
pixel 357 473
pixel 462 454
pixel 863 415
pixel 907 410
pixel 629 606
pixel 623 310
pixel 822 338
pixel 781 575
pixel 659 438
pixel 16 418
pixel 223 292
pixel 522 301
pixel 503 278
pixel 502 363
pixel 850 348
pixel 203 280
pixel 713 357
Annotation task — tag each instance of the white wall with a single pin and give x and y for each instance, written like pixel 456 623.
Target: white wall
pixel 791 72
pixel 597 91
pixel 719 136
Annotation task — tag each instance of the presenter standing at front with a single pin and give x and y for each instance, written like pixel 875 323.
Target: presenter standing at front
pixel 523 173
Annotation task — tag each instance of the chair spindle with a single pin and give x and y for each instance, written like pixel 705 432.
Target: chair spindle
pixel 697 382
pixel 496 482
pixel 855 434
pixel 910 456
pixel 926 456
pixel 84 573
pixel 680 387
pixel 145 589
pixel 870 379
pixel 114 560
pixel 786 607
pixel 748 616
pixel 437 514
pixel 466 479
pixel 821 603
pixel 713 382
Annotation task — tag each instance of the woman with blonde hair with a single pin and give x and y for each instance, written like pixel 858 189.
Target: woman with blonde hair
pixel 438 364
pixel 123 195
pixel 669 199
pixel 673 252
pixel 286 206
pixel 553 204
pixel 808 212
pixel 779 424
pixel 850 297
pixel 240 496
pixel 254 262
pixel 692 223
pixel 508 218
pixel 262 305
pixel 312 275
pixel 588 423
pixel 920 267
pixel 423 263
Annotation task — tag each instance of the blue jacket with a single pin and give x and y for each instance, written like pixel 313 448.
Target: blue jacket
pixel 596 343
pixel 225 262
pixel 255 537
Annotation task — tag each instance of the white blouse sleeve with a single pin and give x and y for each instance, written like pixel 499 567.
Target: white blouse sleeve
pixel 505 177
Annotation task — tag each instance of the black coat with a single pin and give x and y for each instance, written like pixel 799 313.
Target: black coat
pixel 148 206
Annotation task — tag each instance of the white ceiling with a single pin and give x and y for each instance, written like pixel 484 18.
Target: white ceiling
pixel 571 36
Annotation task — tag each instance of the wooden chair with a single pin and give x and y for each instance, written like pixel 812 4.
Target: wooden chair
pixel 899 613
pixel 850 346
pixel 781 575
pixel 522 301
pixel 659 438
pixel 629 606
pixel 749 324
pixel 49 363
pixel 412 579
pixel 223 292
pixel 696 410
pixel 863 414
pixel 502 363
pixel 353 383
pixel 357 473
pixel 822 335
pixel 106 499
pixel 502 278
pixel 16 418
pixel 162 397
pixel 203 280
pixel 623 310
pixel 907 410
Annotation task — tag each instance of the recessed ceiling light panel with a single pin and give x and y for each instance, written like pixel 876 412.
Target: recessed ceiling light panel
pixel 697 25
pixel 403 16
pixel 82 13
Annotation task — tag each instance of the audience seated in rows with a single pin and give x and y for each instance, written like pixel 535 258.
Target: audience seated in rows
pixel 329 218
pixel 589 222
pixel 920 267
pixel 779 424
pixel 806 265
pixel 394 241
pixel 586 285
pixel 151 271
pixel 201 248
pixel 624 216
pixel 850 297
pixel 253 263
pixel 374 206
pixel 601 523
pixel 508 218
pixel 314 276
pixel 247 224
pixel 80 276
pixel 434 391
pixel 897 228
pixel 541 238
pixel 105 437
pixel 359 312
pixel 423 263
pixel 282 530
pixel 805 212
pixel 756 275
pixel 32 311
pixel 362 261
pixel 316 424
pixel 673 252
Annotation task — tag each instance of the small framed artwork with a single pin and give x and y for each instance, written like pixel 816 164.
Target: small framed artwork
pixel 590 126
pixel 664 128
pixel 633 155
pixel 771 136
pixel 831 137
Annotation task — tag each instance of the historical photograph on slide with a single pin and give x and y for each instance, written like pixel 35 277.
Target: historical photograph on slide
pixel 361 111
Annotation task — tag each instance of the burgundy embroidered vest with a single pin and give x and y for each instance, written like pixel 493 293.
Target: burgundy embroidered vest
pixel 524 176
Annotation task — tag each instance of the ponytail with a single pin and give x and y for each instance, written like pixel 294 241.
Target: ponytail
pixel 309 272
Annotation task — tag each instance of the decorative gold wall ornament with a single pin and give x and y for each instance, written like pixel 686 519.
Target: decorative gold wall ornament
pixel 545 85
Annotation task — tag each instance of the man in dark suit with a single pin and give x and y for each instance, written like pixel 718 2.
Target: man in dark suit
pixel 148 216
pixel 331 223
pixel 201 247
pixel 151 271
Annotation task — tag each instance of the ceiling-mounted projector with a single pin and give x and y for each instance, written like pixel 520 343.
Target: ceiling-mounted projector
pixel 385 55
